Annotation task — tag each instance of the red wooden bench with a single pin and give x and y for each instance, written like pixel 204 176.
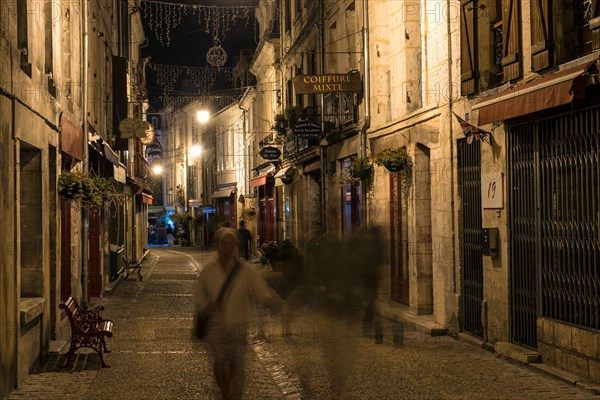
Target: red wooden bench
pixel 88 329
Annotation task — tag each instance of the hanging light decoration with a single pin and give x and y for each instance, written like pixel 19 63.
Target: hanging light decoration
pixel 216 55
pixel 217 20
pixel 203 78
pixel 221 101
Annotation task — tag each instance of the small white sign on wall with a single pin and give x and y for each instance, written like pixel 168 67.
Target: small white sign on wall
pixel 491 191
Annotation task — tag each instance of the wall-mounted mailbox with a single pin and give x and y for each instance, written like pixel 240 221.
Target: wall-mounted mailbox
pixel 489 241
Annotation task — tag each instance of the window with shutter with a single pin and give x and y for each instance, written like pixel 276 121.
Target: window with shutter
pixel 511 57
pixel 468 50
pixel 595 23
pixel 541 34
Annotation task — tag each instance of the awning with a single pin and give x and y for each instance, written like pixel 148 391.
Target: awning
pixel 155 209
pixel 553 90
pixel 222 193
pixel 146 198
pixel 281 172
pixel 260 181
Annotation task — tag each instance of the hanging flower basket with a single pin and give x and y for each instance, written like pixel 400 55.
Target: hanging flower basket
pixel 397 161
pixel 281 124
pixel 361 168
pixel 285 120
pixel 394 160
pixel 288 177
pixel 361 173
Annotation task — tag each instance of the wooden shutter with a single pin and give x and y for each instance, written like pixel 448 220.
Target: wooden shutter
pixel 511 55
pixel 541 34
pixel 595 24
pixel 468 51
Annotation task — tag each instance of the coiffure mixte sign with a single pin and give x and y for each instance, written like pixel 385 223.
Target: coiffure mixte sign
pixel 329 83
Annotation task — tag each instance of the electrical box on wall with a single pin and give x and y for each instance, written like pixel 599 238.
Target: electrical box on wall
pixel 489 241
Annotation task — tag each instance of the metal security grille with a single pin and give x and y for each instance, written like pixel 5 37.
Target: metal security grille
pixel 555 163
pixel 469 170
pixel 570 218
pixel 523 237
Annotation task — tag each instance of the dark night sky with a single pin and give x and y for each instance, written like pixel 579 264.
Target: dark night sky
pixel 189 44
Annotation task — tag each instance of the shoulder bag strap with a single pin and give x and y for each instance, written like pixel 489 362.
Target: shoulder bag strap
pixel 227 282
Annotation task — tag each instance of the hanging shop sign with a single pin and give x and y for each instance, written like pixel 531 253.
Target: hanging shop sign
pixel 307 130
pixel 329 83
pixel 270 153
pixel 134 128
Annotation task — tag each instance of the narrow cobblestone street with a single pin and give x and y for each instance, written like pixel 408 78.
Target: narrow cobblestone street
pixel 326 357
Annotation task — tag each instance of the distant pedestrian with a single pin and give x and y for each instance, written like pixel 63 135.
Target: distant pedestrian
pixel 226 337
pixel 170 238
pixel 245 238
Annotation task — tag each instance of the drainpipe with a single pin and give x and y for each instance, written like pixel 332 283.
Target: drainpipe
pixel 451 142
pixel 245 151
pixel 367 102
pixel 84 111
pixel 323 144
pixel 132 153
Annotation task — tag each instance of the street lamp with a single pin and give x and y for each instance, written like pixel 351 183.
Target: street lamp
pixel 157 169
pixel 203 116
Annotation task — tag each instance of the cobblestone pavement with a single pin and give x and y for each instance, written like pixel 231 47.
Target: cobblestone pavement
pixel 322 355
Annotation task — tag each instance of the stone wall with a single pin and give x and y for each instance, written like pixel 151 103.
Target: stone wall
pixel 570 348
pixel 8 277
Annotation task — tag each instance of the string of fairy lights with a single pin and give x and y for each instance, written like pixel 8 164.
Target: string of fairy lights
pixel 164 17
pixel 203 78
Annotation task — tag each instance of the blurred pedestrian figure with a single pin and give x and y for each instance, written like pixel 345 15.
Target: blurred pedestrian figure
pixel 170 239
pixel 227 329
pixel 245 238
pixel 366 258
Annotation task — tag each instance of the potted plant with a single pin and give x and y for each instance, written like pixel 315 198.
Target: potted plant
pixel 270 253
pixel 284 120
pixel 394 160
pixel 361 168
pixel 281 124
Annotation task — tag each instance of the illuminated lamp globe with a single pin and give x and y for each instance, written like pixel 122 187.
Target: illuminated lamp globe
pixel 203 116
pixel 157 169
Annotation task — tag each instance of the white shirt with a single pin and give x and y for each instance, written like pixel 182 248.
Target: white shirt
pixel 235 305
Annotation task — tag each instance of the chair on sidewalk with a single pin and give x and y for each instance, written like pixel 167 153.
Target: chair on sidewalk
pixel 131 265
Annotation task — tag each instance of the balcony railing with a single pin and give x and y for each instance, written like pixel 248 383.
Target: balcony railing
pixel 340 121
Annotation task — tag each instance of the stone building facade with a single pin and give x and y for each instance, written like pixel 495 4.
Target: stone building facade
pixel 41 99
pixel 494 234
pixel 487 237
